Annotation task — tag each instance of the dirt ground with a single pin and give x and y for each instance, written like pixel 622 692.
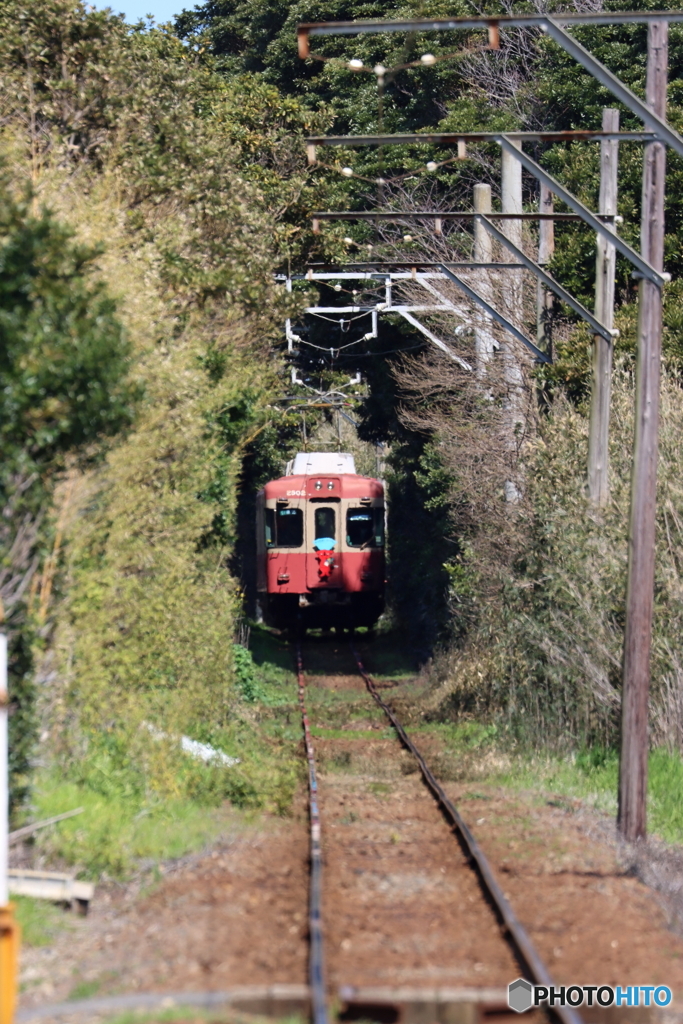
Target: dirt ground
pixel 234 916
pixel 401 906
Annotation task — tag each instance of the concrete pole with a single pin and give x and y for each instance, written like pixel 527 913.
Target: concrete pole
pixel 605 269
pixel 641 561
pixel 511 202
pixel 546 249
pixel 513 305
pixel 483 253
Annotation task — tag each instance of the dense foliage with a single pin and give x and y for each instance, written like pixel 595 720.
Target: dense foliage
pixel 63 386
pixel 152 182
pixel 515 590
pixel 136 300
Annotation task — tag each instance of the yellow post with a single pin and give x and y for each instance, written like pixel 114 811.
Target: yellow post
pixel 9 930
pixel 9 963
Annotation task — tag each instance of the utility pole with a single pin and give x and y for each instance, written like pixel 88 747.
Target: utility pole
pixel 641 561
pixel 605 269
pixel 546 248
pixel 513 302
pixel 511 202
pixel 483 253
pixel 9 932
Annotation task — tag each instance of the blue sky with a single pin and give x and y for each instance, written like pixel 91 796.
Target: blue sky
pixel 162 10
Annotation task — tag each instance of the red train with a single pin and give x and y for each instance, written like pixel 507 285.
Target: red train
pixel 320 545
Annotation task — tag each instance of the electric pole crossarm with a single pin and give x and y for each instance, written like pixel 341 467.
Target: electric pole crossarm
pixel 353 28
pixel 451 138
pixel 656 124
pixel 594 222
pixel 547 280
pixel 498 317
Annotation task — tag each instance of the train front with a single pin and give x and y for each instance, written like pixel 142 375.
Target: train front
pixel 320 544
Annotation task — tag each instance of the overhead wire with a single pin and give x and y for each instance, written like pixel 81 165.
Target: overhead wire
pixel 430 168
pixel 357 66
pixel 332 348
pixel 350 320
pixel 364 355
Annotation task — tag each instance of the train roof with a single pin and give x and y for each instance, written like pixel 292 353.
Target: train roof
pixel 326 485
pixel 321 464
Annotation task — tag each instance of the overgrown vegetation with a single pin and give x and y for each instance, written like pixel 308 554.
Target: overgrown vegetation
pixel 526 602
pixel 137 302
pixel 150 185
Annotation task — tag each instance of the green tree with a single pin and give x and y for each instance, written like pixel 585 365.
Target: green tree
pixel 64 363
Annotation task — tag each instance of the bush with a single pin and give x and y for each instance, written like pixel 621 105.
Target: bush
pixel 545 658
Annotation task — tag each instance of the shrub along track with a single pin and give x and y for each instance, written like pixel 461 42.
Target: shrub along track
pixel 401 902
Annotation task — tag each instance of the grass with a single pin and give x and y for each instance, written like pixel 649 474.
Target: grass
pixel 118 833
pixel 85 989
pixel 197 1014
pixel 40 921
pixel 272 656
pixel 352 734
pixel 590 775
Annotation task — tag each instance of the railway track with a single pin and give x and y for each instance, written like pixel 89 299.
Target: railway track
pixel 512 931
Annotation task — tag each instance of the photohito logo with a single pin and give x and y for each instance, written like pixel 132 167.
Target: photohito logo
pixel 522 995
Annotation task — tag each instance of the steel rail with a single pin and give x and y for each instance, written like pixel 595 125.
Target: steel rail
pixel 316 962
pixel 155 1001
pixel 515 929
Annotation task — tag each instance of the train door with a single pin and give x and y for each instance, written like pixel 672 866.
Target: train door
pixel 324 535
pixel 261 581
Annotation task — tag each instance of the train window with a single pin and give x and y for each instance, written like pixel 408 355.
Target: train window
pixel 284 528
pixel 379 527
pixel 325 529
pixel 365 527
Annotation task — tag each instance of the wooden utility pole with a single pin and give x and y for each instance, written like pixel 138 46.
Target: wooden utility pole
pixel 483 253
pixel 546 248
pixel 605 269
pixel 641 561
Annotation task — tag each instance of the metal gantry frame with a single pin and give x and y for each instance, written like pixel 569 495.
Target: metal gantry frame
pixel 553 25
pixel 443 272
pixel 648 269
pixel 598 223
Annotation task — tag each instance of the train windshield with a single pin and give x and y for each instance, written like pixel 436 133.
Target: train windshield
pixel 325 529
pixel 365 527
pixel 284 528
